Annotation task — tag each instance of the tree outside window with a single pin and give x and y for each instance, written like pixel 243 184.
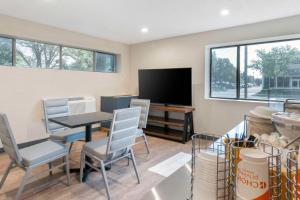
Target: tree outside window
pixel 267 71
pixel 77 59
pixel 38 55
pixel 6 51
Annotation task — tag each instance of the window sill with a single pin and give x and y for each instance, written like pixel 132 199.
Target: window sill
pixel 236 100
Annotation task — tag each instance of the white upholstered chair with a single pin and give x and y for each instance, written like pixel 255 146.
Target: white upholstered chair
pixel 145 105
pixel 116 146
pixel 30 157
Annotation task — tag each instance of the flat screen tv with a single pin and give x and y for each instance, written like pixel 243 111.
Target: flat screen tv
pixel 166 86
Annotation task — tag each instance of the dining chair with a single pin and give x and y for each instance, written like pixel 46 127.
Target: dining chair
pixel 60 108
pixel 115 147
pixel 30 157
pixel 145 105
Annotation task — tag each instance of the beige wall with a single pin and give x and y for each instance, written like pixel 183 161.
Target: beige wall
pixel 22 89
pixel 189 51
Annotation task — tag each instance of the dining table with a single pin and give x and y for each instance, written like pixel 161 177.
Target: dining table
pixel 83 120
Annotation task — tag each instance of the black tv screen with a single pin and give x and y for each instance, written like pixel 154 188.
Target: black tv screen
pixel 166 86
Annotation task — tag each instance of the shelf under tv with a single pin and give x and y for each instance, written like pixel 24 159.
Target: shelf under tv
pixel 161 126
pixel 170 134
pixel 163 121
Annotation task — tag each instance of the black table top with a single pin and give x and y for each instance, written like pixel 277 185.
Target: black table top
pixel 75 121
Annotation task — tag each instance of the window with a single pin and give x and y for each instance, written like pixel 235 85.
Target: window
pixel 34 54
pixel 37 55
pixel 260 71
pixel 77 59
pixel 6 51
pixel 105 62
pixel 223 72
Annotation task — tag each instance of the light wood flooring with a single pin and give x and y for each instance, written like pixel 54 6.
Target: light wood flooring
pixel 122 180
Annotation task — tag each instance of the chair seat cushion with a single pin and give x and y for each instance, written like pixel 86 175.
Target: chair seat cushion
pixel 42 152
pixel 97 148
pixel 139 132
pixel 69 135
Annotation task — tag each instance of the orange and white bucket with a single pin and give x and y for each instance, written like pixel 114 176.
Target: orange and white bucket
pixel 252 180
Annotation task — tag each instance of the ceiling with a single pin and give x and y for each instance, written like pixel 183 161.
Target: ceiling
pixel 122 20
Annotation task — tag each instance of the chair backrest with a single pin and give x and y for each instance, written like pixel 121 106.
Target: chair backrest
pixel 55 108
pixel 145 105
pixel 8 140
pixel 123 129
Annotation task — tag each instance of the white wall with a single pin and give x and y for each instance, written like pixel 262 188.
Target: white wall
pixel 21 89
pixel 211 116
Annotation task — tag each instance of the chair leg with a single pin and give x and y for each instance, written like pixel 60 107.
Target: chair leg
pixel 64 166
pixel 128 161
pixel 82 164
pixel 134 165
pixel 68 169
pixel 70 147
pixel 105 179
pixel 50 168
pixel 11 165
pixel 146 143
pixel 22 185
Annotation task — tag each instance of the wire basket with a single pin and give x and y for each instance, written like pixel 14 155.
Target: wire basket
pixel 218 145
pixel 274 166
pixel 292 185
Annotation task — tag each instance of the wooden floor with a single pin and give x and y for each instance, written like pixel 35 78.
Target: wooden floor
pixel 122 181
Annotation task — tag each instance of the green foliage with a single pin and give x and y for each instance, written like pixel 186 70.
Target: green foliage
pixel 77 59
pixel 104 62
pixel 42 55
pixel 5 51
pixel 223 70
pixel 34 54
pixel 275 62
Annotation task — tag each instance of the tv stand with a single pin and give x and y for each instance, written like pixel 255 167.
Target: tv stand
pixel 160 126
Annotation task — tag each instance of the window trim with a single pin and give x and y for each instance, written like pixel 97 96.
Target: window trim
pixel 238 44
pixel 60 45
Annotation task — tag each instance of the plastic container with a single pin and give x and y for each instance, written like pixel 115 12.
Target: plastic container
pixel 252 179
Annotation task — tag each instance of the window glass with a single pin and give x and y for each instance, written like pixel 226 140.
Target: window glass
pixel 223 72
pixel 280 82
pixel 244 79
pixel 273 64
pixel 35 54
pixel 105 62
pixel 77 59
pixel 267 71
pixel 5 51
